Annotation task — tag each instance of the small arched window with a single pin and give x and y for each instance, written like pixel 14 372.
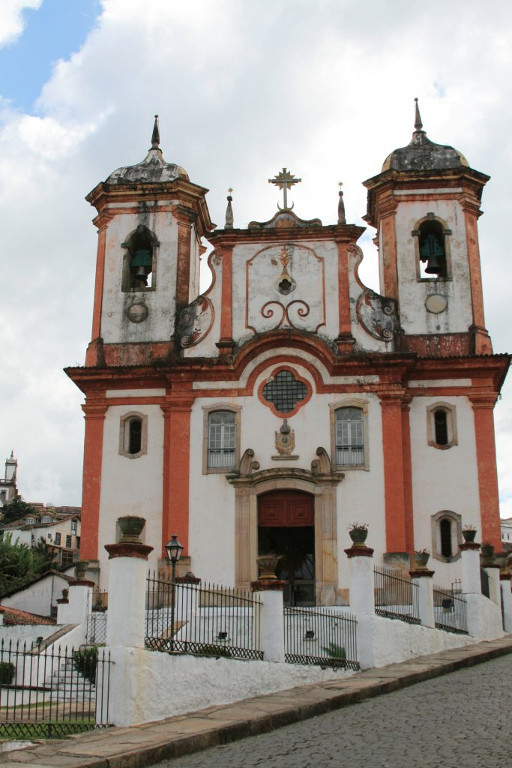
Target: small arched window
pixel 441 425
pixel 432 249
pixel 446 535
pixel 139 261
pixel 445 529
pixel 133 435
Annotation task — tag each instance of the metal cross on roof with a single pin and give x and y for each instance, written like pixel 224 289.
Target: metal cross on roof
pixel 284 180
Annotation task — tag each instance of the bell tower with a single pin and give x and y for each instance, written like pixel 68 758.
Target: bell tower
pixel 150 221
pixel 425 205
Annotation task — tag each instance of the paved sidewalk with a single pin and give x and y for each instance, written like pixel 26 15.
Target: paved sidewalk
pixel 147 744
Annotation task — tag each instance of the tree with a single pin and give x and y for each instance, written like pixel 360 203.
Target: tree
pixel 15 510
pixel 19 564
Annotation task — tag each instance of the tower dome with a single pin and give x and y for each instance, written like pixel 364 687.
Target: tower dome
pixel 153 169
pixel 421 154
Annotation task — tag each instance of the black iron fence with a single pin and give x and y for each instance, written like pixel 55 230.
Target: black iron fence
pixel 450 611
pixel 52 692
pixel 396 597
pixel 96 631
pixel 204 620
pixel 326 637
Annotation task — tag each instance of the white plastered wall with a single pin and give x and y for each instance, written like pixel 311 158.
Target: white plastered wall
pixel 308 285
pixel 414 317
pixel 443 479
pixel 131 486
pixel 159 325
pixel 360 495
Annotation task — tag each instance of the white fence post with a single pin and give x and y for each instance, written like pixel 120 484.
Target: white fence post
pixel 506 596
pixel 79 604
pixel 362 600
pixel 270 594
pixel 493 573
pixel 422 578
pixel 470 557
pixel 126 628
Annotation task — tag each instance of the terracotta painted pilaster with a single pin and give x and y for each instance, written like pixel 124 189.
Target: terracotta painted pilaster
pixel 483 405
pixel 176 470
pixel 345 340
pixel 389 256
pixel 406 447
pixel 183 273
pixel 225 343
pixel 95 409
pixel 394 474
pixel 482 342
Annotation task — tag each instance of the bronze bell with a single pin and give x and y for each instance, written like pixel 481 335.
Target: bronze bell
pixel 434 265
pixel 432 252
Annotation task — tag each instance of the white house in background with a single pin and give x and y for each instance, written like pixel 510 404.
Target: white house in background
pixel 60 532
pixel 506 530
pixel 8 488
pixel 40 596
pixel 290 399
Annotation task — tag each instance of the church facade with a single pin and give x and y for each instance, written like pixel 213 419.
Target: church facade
pixel 289 400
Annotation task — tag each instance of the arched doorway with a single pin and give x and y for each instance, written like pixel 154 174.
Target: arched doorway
pixel 286 526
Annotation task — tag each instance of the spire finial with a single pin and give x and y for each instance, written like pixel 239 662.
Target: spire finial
pixel 341 206
pixel 418 125
pixel 229 211
pixel 155 138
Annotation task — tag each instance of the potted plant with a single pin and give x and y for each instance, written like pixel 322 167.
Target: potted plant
pixel 469 532
pixel 358 533
pixel 421 557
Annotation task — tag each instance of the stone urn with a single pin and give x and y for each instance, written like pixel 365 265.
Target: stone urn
pixel 487 553
pixel 267 565
pixel 131 527
pixel 358 534
pixel 420 560
pixel 81 567
pixel 469 534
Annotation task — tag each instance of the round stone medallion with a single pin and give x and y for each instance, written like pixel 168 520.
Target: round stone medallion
pixel 137 312
pixel 436 303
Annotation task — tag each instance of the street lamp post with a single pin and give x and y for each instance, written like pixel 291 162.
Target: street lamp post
pixel 174 550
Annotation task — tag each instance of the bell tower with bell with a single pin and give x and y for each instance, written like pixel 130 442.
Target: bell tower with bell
pixel 150 221
pixel 425 205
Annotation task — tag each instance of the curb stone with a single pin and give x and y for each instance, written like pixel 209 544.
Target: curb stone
pixel 174 737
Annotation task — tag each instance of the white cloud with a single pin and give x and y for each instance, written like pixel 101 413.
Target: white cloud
pixel 11 18
pixel 242 89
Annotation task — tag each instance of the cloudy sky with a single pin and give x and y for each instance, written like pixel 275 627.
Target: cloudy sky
pixel 243 88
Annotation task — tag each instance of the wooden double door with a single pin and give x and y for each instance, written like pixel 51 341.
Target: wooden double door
pixel 286 527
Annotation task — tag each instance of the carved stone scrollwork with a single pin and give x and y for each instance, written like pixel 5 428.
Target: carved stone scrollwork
pixel 195 321
pixel 247 463
pixel 322 466
pixel 377 315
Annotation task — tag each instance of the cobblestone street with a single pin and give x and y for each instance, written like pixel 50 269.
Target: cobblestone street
pixel 461 720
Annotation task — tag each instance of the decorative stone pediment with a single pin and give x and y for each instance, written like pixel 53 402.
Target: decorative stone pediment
pixel 321 472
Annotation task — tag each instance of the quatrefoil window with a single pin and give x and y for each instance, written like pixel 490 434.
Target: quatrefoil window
pixel 285 392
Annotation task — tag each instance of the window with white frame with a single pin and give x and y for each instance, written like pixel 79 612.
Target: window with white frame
pixel 446 535
pixel 349 436
pixel 221 442
pixel 441 425
pixel 133 437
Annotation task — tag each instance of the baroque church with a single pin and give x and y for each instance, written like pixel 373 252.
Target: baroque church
pixel 290 400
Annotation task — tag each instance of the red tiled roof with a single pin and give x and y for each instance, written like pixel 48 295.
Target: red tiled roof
pixel 14 616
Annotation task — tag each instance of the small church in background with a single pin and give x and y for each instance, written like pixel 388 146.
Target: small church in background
pixel 290 400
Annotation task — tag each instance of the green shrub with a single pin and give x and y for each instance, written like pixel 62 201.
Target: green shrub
pixel 337 653
pixel 85 660
pixel 7 671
